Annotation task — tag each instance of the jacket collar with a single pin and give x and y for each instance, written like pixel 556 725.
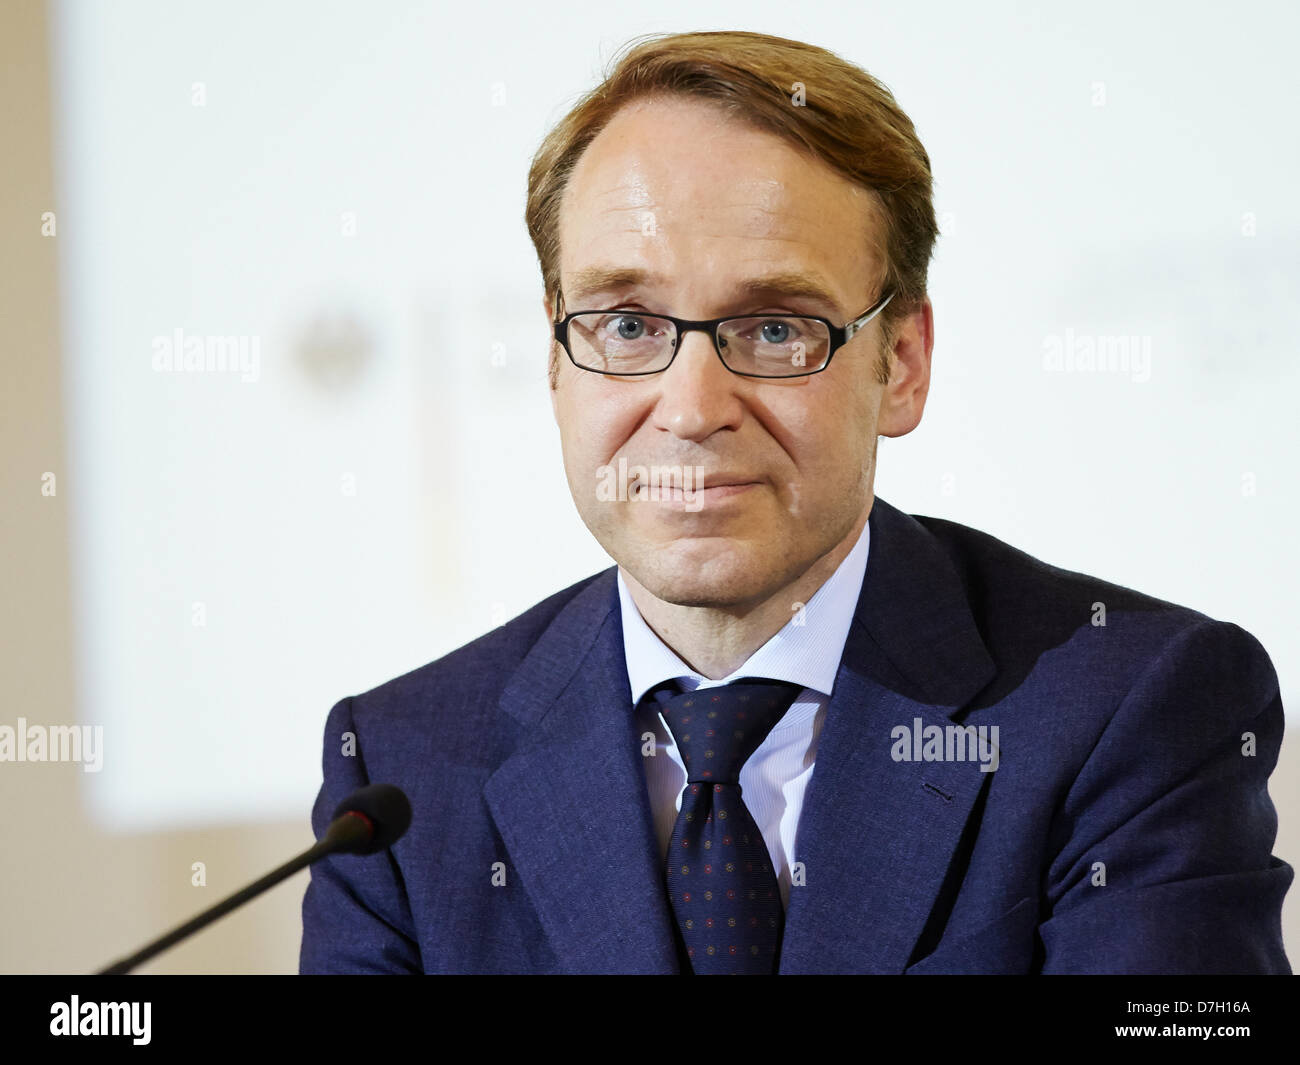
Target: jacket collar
pixel 875 836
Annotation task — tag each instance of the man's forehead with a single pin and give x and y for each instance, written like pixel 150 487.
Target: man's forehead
pixel 619 190
pixel 651 197
pixel 723 169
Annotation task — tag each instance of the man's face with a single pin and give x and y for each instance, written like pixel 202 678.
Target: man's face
pixel 703 206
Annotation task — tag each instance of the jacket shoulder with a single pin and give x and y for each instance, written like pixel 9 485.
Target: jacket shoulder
pixel 470 678
pixel 997 575
pixel 1024 607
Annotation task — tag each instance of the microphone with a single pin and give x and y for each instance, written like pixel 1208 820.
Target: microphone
pixel 371 819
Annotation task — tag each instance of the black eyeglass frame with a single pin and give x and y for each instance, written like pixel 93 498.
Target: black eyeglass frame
pixel 839 336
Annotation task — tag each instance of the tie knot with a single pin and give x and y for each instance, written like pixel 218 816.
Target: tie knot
pixel 717 729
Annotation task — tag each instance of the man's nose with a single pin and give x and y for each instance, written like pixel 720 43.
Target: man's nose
pixel 697 394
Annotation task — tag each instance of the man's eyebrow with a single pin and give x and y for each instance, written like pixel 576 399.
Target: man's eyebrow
pixel 793 285
pixel 594 280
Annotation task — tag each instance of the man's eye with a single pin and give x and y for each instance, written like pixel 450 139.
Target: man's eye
pixel 628 327
pixel 774 331
pixel 625 327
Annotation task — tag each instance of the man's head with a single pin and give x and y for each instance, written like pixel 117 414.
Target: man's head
pixel 704 164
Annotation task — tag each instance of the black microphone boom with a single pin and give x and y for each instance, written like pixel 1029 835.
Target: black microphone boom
pixel 371 819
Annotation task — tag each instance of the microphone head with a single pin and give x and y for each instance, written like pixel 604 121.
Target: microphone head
pixel 386 807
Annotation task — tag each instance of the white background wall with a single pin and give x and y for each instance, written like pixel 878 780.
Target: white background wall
pixel 1099 171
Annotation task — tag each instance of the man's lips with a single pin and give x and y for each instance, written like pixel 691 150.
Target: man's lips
pixel 729 480
pixel 710 491
pixel 712 488
pixel 706 480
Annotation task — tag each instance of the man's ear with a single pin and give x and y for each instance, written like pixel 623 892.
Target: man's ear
pixel 903 401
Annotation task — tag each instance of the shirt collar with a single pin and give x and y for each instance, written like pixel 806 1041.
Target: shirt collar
pixel 806 651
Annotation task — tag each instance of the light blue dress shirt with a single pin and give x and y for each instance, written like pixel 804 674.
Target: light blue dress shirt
pixel 807 652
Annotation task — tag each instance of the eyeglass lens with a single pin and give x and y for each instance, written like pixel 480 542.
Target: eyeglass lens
pixel 767 345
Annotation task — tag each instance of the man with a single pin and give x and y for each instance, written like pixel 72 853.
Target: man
pixel 793 730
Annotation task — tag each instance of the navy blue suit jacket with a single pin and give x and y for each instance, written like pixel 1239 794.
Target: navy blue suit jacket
pixel 1127 828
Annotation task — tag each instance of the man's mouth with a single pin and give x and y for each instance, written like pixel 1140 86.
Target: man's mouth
pixel 703 489
pixel 709 491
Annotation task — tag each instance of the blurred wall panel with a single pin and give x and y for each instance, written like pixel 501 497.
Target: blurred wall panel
pixel 73 895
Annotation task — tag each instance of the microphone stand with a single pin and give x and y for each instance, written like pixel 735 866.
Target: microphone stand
pixel 350 830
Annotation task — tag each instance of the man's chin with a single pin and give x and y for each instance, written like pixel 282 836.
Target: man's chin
pixel 718 575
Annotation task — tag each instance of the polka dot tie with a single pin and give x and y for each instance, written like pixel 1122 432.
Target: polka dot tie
pixel 720 880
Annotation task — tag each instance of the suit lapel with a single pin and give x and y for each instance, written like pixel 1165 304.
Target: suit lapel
pixel 571 803
pixel 876 837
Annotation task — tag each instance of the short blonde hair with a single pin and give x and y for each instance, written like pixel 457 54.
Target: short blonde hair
pixel 846 118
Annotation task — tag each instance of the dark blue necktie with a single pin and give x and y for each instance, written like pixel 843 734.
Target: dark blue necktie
pixel 721 884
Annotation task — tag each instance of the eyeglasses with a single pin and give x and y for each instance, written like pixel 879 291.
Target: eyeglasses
pixel 631 344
